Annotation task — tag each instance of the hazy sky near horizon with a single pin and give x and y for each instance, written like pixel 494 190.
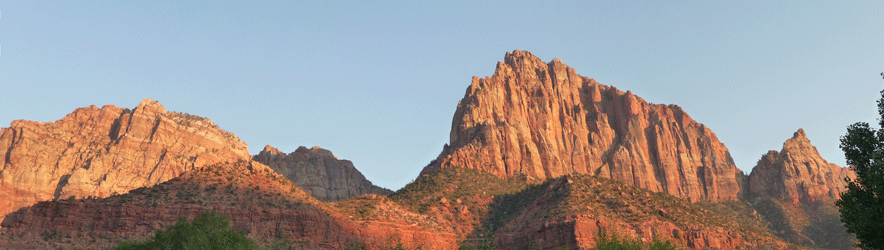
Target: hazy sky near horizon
pixel 377 82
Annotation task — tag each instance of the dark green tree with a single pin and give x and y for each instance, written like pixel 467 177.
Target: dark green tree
pixel 612 242
pixel 862 205
pixel 208 231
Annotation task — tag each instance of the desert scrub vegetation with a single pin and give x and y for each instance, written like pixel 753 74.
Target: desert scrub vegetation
pixel 505 207
pixel 597 195
pixel 454 184
pixel 207 231
pixel 815 223
pixel 188 120
pixel 360 207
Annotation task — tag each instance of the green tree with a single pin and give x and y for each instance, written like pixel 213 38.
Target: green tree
pixel 862 205
pixel 208 231
pixel 612 242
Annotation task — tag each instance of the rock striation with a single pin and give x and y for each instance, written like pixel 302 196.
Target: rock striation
pixel 264 205
pixel 798 174
pixel 96 152
pixel 543 120
pixel 318 172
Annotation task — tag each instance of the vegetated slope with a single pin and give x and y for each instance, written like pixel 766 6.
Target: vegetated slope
pixel 318 172
pixel 569 211
pixel 263 204
pixel 460 197
pixel 795 190
pixel 96 152
pixel 543 120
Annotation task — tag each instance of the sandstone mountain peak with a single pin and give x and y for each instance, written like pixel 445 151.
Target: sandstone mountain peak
pixel 96 152
pixel 543 120
pixel 799 134
pixel 797 173
pixel 272 150
pixel 319 173
pixel 151 105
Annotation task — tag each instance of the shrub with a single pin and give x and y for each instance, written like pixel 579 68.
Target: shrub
pixel 605 242
pixel 208 231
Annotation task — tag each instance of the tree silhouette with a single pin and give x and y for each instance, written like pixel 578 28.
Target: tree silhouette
pixel 862 205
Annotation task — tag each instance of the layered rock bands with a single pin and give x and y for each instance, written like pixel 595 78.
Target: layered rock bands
pixel 542 120
pixel 798 173
pixel 96 152
pixel 318 172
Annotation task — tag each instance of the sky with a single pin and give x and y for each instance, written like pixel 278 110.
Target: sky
pixel 377 82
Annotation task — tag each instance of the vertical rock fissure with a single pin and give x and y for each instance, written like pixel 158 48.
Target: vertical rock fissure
pixel 60 186
pixel 9 150
pixel 549 122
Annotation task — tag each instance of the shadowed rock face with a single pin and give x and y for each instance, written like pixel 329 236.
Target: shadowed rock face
pixel 100 151
pixel 798 173
pixel 318 172
pixel 543 120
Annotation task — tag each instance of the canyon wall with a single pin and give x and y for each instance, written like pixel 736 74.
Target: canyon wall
pixel 101 151
pixel 543 120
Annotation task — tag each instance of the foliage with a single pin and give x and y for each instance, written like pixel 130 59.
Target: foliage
pixel 507 206
pixel 612 242
pixel 208 231
pixel 452 184
pixel 862 205
pixel 485 243
pixel 360 207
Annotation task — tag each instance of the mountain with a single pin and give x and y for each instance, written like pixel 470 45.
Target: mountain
pixel 264 205
pixel 795 190
pixel 318 172
pixel 543 120
pixel 97 152
pixel 798 173
pixel 446 209
pixel 570 211
pixel 540 157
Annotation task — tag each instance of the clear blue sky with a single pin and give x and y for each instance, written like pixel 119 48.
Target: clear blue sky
pixel 378 82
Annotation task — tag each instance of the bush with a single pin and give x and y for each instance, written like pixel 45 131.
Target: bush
pixel 613 243
pixel 208 231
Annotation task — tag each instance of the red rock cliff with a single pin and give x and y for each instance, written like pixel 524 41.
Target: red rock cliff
pixel 258 201
pixel 318 172
pixel 798 173
pixel 543 120
pixel 100 151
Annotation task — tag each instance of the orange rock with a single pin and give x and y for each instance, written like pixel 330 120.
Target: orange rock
pixel 318 172
pixel 543 120
pixel 798 173
pixel 257 202
pixel 100 151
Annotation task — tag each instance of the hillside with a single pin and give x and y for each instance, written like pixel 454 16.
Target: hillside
pixel 569 211
pixel 98 152
pixel 265 205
